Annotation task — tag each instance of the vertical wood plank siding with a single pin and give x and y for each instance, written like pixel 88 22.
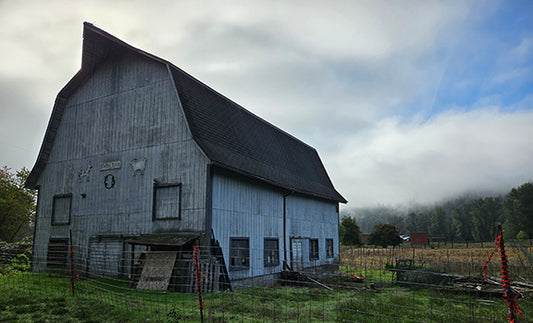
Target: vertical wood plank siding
pixel 245 208
pixel 127 110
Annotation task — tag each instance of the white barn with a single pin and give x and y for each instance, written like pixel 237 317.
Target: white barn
pixel 138 153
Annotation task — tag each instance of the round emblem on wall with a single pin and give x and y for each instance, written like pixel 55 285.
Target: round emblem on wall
pixel 109 181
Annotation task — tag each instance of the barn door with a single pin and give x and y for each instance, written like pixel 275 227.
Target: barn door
pixel 297 261
pixel 105 258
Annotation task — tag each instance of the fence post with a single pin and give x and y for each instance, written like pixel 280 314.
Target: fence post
pixel 73 277
pixel 197 275
pixel 512 305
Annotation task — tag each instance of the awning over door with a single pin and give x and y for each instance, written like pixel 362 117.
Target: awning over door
pixel 164 239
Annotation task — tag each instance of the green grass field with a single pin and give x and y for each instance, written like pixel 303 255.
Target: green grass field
pixel 28 297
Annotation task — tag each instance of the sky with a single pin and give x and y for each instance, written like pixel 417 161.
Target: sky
pixel 405 101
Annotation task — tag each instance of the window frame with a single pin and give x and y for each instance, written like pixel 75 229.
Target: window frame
pixel 54 206
pixel 314 254
pixel 269 251
pixel 330 249
pixel 236 253
pixel 154 202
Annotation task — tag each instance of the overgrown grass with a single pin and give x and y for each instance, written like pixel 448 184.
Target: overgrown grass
pixel 464 261
pixel 28 297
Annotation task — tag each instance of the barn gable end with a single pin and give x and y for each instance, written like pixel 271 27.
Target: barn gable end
pixel 121 134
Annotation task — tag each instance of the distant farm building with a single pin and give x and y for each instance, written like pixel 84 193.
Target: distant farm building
pixel 420 238
pixel 437 238
pixel 138 155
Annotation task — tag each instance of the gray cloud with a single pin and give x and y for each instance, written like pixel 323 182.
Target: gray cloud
pixel 482 150
pixel 357 80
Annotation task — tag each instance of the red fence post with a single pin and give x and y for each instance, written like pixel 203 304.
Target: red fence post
pixel 512 305
pixel 73 277
pixel 197 274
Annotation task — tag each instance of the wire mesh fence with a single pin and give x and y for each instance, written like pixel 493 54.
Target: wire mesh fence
pixel 402 284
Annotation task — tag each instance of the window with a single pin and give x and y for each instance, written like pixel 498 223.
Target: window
pixel 239 253
pixel 313 249
pixel 61 209
pixel 271 252
pixel 329 248
pixel 166 202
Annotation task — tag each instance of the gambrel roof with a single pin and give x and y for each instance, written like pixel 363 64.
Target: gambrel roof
pixel 229 135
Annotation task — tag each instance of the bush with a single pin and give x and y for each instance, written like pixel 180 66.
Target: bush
pixel 15 256
pixel 522 235
pixel 384 235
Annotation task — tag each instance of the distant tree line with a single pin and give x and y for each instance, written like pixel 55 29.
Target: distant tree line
pixel 466 218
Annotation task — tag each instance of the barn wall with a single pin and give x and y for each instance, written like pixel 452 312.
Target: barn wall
pixel 121 132
pixel 243 208
pixel 311 218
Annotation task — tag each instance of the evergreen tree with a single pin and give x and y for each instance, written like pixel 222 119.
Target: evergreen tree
pixel 349 232
pixel 384 235
pixel 519 210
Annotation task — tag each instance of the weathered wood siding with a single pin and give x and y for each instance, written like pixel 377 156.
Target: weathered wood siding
pixel 121 131
pixel 311 218
pixel 243 208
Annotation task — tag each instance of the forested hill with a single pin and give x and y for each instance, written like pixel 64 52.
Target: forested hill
pixel 468 218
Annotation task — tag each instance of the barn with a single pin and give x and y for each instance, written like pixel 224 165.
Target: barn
pixel 139 155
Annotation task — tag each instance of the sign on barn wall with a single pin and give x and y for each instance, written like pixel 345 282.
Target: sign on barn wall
pixel 116 164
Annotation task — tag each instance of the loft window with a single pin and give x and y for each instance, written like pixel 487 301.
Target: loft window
pixel 271 252
pixel 329 248
pixel 166 201
pixel 313 249
pixel 239 253
pixel 61 209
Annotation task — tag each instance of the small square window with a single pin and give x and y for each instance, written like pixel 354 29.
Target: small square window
pixel 61 209
pixel 313 249
pixel 166 202
pixel 271 252
pixel 329 248
pixel 239 253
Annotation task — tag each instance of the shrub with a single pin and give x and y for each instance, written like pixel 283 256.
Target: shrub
pixel 522 235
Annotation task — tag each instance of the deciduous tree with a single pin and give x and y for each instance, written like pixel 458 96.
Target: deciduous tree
pixel 17 204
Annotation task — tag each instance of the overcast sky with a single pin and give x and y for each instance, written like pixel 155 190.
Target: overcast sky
pixel 405 101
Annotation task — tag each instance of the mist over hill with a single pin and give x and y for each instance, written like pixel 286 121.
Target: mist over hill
pixel 469 217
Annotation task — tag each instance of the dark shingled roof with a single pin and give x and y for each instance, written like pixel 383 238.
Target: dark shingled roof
pixel 230 136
